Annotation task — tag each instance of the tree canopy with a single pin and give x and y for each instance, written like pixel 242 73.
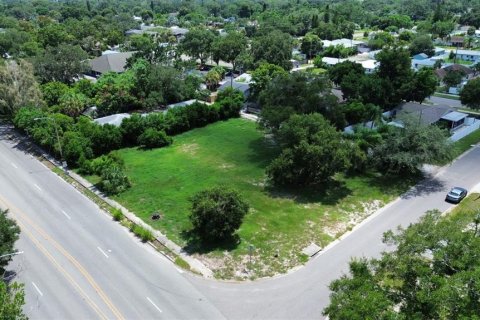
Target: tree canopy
pixel 433 273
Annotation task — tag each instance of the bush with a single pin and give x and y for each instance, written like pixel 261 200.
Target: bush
pixel 106 138
pixel 117 214
pixel 142 233
pixel 76 147
pixel 132 128
pixel 217 213
pixel 113 180
pixel 153 138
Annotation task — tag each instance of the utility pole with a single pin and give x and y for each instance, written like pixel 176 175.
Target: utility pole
pixel 55 125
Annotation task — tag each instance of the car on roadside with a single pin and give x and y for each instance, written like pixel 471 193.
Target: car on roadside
pixel 456 195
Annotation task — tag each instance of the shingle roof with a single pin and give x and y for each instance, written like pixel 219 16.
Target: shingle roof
pixel 114 62
pixel 426 114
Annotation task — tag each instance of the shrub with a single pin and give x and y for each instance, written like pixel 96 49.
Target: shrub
pixel 132 128
pixel 142 233
pixel 117 214
pixel 217 213
pixel 153 138
pixel 106 138
pixel 75 147
pixel 113 180
pixel 98 165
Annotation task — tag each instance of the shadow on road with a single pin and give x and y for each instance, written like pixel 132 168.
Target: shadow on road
pixel 425 187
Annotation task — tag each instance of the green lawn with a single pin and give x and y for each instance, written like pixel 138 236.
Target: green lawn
pixel 466 143
pixel 234 153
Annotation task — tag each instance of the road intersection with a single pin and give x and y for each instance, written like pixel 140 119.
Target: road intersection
pixel 77 263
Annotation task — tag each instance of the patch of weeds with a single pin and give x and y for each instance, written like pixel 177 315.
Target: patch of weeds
pixel 144 234
pixel 117 214
pixel 182 263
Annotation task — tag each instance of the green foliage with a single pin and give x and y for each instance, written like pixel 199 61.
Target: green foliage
pixel 18 87
pixel 12 299
pixel 356 112
pixel 298 93
pixel 113 180
pixel 422 43
pixel 198 44
pixel 381 40
pixel 152 138
pixel 311 45
pixel 422 85
pixel 76 147
pixel 217 213
pixel 117 214
pixel 144 234
pixel 470 94
pixel 230 102
pixel 62 63
pixel 404 150
pixel 9 232
pixel 230 47
pixel 115 93
pixel 263 75
pixel 53 91
pixel 337 72
pixel 275 48
pixel 432 273
pixel 453 78
pixel 72 103
pixel 338 51
pixel 313 152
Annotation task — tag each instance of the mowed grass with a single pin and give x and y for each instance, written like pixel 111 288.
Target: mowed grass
pixel 279 224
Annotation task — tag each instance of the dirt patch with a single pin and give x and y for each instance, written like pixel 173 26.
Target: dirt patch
pixel 190 148
pixel 226 166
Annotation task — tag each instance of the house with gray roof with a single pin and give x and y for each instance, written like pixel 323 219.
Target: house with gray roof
pixel 112 62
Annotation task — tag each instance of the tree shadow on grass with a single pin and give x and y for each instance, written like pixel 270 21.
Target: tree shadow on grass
pixel 329 193
pixel 264 150
pixel 197 245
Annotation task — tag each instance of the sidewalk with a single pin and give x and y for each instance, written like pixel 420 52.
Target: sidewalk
pixel 195 264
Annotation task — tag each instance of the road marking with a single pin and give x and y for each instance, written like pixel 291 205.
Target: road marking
pixel 13 165
pixel 103 252
pixel 179 270
pixel 36 186
pixel 36 288
pixel 66 215
pixel 17 212
pixel 154 305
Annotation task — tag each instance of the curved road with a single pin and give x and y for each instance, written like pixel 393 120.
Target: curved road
pixel 79 264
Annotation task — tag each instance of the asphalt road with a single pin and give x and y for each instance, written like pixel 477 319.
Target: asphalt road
pixel 304 293
pixel 78 263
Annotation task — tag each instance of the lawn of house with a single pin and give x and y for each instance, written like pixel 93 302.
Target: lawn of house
pixel 280 223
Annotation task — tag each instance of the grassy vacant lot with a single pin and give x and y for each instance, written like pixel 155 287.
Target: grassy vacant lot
pixel 235 153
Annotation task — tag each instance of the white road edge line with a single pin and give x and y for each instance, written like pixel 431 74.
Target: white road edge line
pixel 179 270
pixel 66 215
pixel 38 290
pixel 103 252
pixel 154 304
pixel 14 165
pixel 36 186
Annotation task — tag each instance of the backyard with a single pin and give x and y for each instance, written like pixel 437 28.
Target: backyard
pixel 280 222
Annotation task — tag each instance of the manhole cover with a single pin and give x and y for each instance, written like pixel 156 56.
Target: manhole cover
pixel 156 216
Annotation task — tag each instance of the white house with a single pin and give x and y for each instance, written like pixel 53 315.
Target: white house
pixel 468 55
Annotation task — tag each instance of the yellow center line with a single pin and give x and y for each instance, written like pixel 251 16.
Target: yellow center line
pixel 62 270
pixel 80 268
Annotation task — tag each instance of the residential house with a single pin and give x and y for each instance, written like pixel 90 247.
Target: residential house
pixel 111 62
pixel 456 41
pixel 442 72
pixel 468 55
pixel 420 56
pixel 179 33
pixel 426 114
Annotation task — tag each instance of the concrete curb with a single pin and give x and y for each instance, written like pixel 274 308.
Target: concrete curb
pixel 196 265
